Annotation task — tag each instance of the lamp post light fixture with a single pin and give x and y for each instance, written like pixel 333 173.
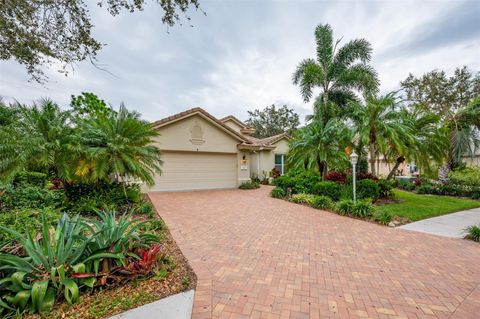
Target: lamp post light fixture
pixel 354 160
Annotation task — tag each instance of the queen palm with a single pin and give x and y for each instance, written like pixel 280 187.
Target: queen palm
pixel 319 144
pixel 336 71
pixel 380 126
pixel 119 144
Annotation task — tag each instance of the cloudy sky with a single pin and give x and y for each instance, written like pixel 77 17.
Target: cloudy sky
pixel 241 55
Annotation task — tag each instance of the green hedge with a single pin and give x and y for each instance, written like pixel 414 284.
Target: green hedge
pixel 330 189
pixel 468 176
pixel 30 178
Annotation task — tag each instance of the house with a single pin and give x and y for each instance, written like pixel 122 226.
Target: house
pixel 200 151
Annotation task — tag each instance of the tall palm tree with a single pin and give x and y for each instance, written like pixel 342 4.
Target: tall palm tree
pixel 336 71
pixel 319 144
pixel 380 126
pixel 119 144
pixel 37 137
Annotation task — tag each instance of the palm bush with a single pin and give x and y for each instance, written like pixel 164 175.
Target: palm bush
pixel 119 144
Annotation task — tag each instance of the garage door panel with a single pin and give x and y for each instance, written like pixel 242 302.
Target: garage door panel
pixel 190 171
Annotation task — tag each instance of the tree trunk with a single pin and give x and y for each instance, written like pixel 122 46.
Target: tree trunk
pixel 372 159
pixel 322 168
pixel 400 160
pixel 124 186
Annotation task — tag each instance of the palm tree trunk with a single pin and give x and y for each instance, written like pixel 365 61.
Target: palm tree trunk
pixel 124 186
pixel 400 160
pixel 372 159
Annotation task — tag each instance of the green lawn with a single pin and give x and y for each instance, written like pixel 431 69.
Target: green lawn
pixel 416 206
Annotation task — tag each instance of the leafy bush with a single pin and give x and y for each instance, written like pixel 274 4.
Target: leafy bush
pixel 30 178
pixel 303 198
pixel 385 188
pixel 345 207
pixel 367 188
pixel 473 233
pixel 382 217
pixel 299 182
pixel 362 209
pixel 145 208
pixel 26 196
pixel 278 192
pixel 476 194
pixel 338 177
pixel 330 189
pixel 322 202
pixel 366 175
pixel 249 185
pixel 408 186
pixel 26 221
pixel 426 189
pixel 469 176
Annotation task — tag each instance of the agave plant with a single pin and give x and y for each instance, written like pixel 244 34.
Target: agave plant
pixel 34 280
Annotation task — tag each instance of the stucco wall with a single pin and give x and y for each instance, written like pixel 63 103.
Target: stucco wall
pixel 178 136
pixel 233 125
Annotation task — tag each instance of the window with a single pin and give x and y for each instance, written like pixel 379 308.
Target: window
pixel 280 163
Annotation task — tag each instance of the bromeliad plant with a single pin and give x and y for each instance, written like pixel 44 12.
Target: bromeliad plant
pixel 67 258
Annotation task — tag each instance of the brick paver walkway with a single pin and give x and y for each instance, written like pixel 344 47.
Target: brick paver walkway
pixel 259 257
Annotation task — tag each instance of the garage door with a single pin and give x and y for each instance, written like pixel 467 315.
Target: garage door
pixel 191 171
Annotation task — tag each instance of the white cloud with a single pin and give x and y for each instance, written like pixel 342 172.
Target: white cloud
pixel 242 54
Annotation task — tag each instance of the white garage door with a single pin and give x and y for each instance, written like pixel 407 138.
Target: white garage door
pixel 191 171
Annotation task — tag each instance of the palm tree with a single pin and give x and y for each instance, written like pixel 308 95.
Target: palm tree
pixel 36 137
pixel 319 144
pixel 463 132
pixel 337 71
pixel 428 144
pixel 380 126
pixel 119 144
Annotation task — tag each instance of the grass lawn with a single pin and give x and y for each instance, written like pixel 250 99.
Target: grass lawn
pixel 416 206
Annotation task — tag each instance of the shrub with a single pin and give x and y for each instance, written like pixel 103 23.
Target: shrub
pixel 408 186
pixel 30 178
pixel 345 207
pixel 278 192
pixel 330 189
pixel 362 209
pixel 26 221
pixel 336 177
pixel 426 189
pixel 299 182
pixel 469 176
pixel 27 196
pixel 367 188
pixel 382 217
pixel 145 208
pixel 385 188
pixel 303 198
pixel 366 175
pixel 249 185
pixel 473 233
pixel 322 202
pixel 476 194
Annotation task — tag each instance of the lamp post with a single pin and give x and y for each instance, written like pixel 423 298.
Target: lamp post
pixel 353 160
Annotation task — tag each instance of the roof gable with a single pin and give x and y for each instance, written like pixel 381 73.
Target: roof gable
pixel 204 114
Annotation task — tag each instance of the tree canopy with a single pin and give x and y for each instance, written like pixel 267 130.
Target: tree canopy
pixel 37 33
pixel 272 121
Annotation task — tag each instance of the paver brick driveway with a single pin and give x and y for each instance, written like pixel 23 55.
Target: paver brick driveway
pixel 259 257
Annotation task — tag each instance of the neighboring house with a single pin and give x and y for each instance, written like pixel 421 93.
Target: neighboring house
pixel 200 151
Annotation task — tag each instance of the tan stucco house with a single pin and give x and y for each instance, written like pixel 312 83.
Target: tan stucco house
pixel 200 151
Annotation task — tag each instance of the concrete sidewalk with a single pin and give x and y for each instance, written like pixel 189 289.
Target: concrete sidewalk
pixel 450 225
pixel 178 306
